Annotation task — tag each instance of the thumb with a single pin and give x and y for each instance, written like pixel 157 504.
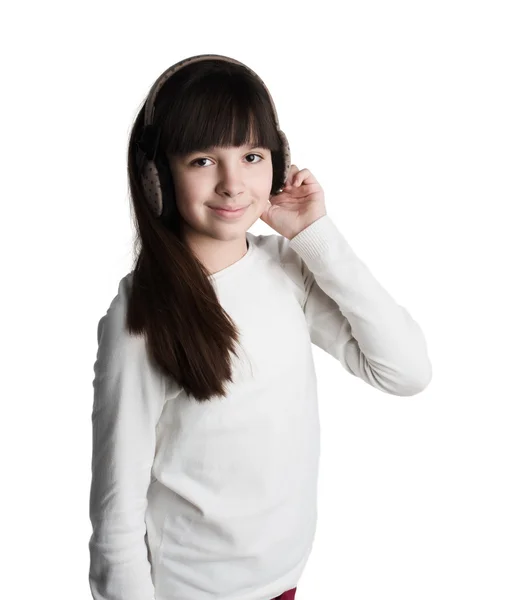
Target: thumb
pixel 266 212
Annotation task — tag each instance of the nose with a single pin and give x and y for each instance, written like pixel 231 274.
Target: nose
pixel 231 183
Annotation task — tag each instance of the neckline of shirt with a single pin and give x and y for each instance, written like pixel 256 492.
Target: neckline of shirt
pixel 239 264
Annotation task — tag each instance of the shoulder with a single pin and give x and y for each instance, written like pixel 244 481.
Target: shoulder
pixel 124 371
pixel 278 249
pixel 112 332
pixel 122 354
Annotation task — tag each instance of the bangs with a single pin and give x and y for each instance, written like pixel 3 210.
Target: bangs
pixel 218 111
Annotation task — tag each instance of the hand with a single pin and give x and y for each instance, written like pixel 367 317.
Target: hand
pixel 300 204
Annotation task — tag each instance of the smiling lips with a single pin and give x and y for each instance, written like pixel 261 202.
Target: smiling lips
pixel 229 214
pixel 229 208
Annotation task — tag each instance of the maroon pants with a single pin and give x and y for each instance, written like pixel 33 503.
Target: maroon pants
pixel 288 595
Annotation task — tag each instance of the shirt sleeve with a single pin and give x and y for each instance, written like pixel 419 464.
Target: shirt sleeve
pixel 354 319
pixel 128 398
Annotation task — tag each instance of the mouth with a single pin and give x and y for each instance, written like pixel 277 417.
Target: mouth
pixel 230 208
pixel 229 214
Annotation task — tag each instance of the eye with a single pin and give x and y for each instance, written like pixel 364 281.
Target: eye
pixel 193 162
pixel 255 155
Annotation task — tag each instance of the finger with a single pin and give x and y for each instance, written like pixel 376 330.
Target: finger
pixel 291 174
pixel 299 177
pixel 303 176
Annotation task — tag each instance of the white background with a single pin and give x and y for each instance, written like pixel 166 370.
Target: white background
pixel 398 109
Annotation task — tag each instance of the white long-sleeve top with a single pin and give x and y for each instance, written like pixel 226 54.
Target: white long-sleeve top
pixel 218 500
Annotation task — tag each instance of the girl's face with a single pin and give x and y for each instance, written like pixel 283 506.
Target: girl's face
pixel 232 177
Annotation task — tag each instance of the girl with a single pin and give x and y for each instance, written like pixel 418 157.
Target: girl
pixel 205 415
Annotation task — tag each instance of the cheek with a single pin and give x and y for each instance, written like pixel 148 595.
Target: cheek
pixel 187 195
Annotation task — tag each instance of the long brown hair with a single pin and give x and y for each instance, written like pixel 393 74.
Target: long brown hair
pixel 173 301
